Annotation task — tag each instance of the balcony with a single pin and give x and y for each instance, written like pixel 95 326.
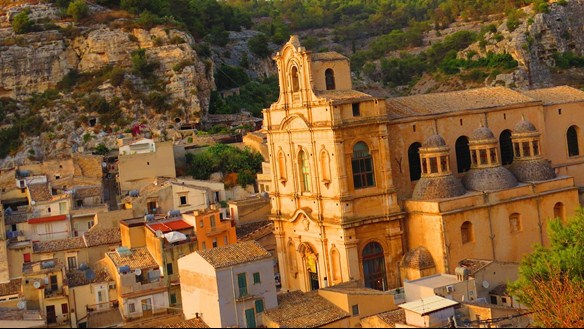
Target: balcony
pixel 57 293
pixel 140 287
pixel 102 307
pixel 212 231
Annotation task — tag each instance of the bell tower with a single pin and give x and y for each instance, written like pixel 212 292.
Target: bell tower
pixel 334 206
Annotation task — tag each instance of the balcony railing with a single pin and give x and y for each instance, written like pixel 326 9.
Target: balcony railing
pixel 54 293
pixel 100 307
pixel 136 287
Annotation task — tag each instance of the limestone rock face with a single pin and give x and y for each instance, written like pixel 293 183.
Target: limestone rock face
pixel 103 46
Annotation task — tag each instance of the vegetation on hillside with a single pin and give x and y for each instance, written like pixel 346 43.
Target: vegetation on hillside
pixel 226 159
pixel 551 280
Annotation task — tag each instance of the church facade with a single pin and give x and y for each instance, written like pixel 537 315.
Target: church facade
pixel 381 190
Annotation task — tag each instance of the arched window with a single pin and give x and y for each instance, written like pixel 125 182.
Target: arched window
pixel 414 161
pixel 466 232
pixel 282 167
pixel 335 265
pixel 515 223
pixel 462 154
pixel 506 147
pixel 374 266
pixel 304 171
pixel 572 137
pixel 329 76
pixel 295 82
pixel 362 164
pixel 559 211
pixel 310 265
pixel 325 165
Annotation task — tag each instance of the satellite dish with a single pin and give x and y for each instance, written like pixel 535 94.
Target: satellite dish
pixel 37 284
pixel 485 284
pixel 21 305
pixel 137 271
pixel 159 234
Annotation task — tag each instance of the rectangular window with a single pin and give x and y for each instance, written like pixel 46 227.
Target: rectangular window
pixel 503 300
pixel 54 285
pixel 242 284
pixel 169 268
pixel 131 308
pixel 356 110
pixel 259 305
pixel 494 300
pixel 225 240
pixel 64 308
pixel 212 219
pixel 355 309
pixel 71 262
pixel 183 200
pixel 256 277
pixel 173 298
pixel 215 243
pixel 201 223
pixel 26 257
pixel 204 245
pixel 63 207
pixel 89 224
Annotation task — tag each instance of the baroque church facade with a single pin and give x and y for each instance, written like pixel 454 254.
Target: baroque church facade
pixel 381 191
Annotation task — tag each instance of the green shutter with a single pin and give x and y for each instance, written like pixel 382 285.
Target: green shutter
pixel 259 305
pixel 256 277
pixel 242 284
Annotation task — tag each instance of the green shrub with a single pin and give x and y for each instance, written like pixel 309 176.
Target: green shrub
pixel 258 45
pixel 21 23
pixel 78 9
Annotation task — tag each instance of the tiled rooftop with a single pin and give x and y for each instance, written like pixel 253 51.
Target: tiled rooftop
pixel 343 95
pixel 354 288
pixel 10 288
pixel 246 229
pixel 304 310
pixel 556 95
pixel 234 254
pixel 58 245
pixel 393 317
pixel 102 236
pixel 455 101
pixel 327 56
pixel 474 265
pixel 139 258
pixel 40 192
pixel 87 192
pixel 77 278
pixel 167 321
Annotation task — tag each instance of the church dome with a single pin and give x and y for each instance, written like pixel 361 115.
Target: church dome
pixel 482 133
pixel 532 170
pixel 434 141
pixel 489 179
pixel 418 258
pixel 441 187
pixel 523 127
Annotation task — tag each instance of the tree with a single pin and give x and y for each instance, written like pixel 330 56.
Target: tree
pixel 21 23
pixel 101 149
pixel 258 44
pixel 551 280
pixel 78 9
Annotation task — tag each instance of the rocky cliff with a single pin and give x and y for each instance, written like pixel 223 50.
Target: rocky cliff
pixel 38 61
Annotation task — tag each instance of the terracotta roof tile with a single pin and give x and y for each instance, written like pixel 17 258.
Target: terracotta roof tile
pixel 10 288
pixel 455 101
pixel 40 192
pixel 168 226
pixel 58 245
pixel 139 258
pixel 393 317
pixel 77 278
pixel 234 254
pixel 304 310
pixel 99 237
pixel 556 95
pixel 168 321
pixel 327 56
pixel 87 192
pixel 343 95
pixel 246 229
